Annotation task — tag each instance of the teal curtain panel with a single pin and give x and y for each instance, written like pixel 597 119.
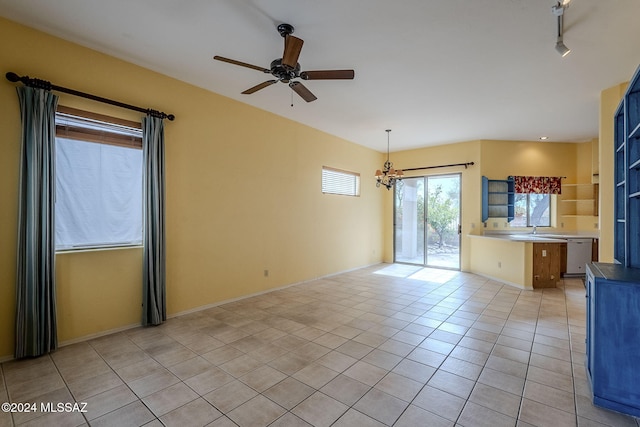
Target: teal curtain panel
pixel 35 276
pixel 154 310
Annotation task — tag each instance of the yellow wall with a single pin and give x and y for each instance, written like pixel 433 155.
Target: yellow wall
pixel 243 194
pixel 503 260
pixel 86 291
pixel 503 158
pixel 609 100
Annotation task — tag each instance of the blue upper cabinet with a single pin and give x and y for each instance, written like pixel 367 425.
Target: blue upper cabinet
pixel 498 196
pixel 627 176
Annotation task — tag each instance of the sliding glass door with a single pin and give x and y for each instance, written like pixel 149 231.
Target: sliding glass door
pixel 427 220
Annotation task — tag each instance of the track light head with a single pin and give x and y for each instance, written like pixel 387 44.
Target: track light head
pixel 562 49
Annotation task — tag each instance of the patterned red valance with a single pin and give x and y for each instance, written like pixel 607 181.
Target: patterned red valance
pixel 537 184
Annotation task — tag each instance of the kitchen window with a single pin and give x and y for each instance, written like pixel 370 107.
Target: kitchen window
pixel 532 210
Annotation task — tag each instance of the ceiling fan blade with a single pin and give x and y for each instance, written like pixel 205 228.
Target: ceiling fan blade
pixel 327 75
pixel 301 90
pixel 292 48
pixel 242 64
pixel 258 87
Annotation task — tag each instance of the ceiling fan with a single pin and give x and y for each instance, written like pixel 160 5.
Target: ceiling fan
pixel 287 68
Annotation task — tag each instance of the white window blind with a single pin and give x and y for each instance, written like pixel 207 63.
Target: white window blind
pixel 336 181
pixel 98 184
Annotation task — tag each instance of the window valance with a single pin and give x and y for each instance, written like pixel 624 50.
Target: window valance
pixel 538 184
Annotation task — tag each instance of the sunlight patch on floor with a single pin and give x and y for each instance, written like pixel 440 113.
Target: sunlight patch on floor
pixel 418 273
pixel 398 270
pixel 434 275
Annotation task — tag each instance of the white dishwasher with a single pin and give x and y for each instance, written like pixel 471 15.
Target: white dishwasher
pixel 578 255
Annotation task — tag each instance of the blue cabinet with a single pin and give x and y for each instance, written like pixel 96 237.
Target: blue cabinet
pixel 627 176
pixel 498 196
pixel 613 336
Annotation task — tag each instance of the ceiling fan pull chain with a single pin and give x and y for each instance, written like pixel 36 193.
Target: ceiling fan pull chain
pixel 291 99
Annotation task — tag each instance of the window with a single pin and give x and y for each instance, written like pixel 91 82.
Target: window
pixel 532 209
pixel 98 181
pixel 336 181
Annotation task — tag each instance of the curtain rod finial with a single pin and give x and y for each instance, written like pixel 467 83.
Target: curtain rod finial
pixel 12 77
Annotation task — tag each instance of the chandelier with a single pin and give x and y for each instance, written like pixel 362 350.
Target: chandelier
pixel 388 175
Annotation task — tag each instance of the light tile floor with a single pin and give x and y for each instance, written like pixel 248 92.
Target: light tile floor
pixel 384 345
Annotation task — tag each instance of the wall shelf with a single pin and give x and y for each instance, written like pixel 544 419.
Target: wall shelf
pixel 498 197
pixel 579 200
pixel 627 176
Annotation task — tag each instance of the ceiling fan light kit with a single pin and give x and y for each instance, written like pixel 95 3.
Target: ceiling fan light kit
pixel 287 68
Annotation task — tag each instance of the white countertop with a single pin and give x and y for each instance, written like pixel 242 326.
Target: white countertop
pixel 538 237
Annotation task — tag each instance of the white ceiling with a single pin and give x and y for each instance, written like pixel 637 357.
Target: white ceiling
pixel 434 71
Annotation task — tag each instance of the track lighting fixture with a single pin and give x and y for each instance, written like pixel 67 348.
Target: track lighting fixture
pixel 558 10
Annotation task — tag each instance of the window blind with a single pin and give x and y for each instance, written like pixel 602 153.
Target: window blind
pixel 336 181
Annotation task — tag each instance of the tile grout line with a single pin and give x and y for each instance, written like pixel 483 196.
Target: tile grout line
pixel 123 381
pixel 526 373
pixel 573 380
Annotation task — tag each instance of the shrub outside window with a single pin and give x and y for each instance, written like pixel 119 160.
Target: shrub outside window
pixel 532 210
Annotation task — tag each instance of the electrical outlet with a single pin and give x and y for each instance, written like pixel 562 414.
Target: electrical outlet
pixel 266 273
pixel 473 225
pixel 499 264
pixel 544 252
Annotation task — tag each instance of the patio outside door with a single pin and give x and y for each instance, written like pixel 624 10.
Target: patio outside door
pixel 426 221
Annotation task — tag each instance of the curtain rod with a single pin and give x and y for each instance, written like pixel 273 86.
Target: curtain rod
pixel 466 165
pixel 46 85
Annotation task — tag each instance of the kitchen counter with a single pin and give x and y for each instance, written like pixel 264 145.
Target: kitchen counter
pixel 508 257
pixel 525 237
pixel 538 237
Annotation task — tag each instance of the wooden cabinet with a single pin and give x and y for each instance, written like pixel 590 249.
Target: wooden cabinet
pixel 546 264
pixel 627 176
pixel 613 336
pixel 498 197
